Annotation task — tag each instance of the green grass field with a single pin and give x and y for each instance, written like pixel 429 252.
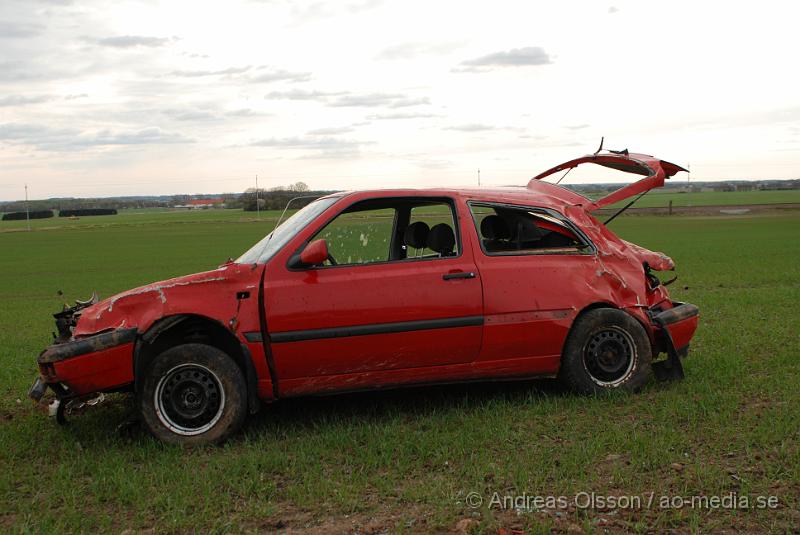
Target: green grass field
pixel 660 198
pixel 406 461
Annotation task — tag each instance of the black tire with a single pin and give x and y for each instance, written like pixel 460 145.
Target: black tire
pixel 607 349
pixel 193 394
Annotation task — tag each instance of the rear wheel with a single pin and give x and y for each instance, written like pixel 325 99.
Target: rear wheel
pixel 606 349
pixel 193 394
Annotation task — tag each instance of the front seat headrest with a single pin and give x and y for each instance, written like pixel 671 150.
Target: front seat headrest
pixel 416 235
pixel 494 227
pixel 441 239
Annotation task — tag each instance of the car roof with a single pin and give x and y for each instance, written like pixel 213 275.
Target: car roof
pixel 542 194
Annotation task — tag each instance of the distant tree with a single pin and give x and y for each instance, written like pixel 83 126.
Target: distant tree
pixel 248 199
pixel 299 186
pixel 232 200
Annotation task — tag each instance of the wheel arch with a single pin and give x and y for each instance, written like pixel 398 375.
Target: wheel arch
pixel 567 374
pixel 170 331
pixel 606 304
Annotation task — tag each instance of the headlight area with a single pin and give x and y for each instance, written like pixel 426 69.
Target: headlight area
pixel 96 363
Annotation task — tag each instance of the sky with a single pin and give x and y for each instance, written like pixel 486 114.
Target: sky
pixel 151 98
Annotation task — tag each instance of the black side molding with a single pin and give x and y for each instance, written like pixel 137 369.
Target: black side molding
pixel 375 328
pixel 253 336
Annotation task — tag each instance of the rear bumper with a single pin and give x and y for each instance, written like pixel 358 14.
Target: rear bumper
pixel 93 364
pixel 678 323
pixel 675 328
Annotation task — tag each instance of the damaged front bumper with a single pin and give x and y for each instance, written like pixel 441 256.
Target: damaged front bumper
pixel 676 326
pixel 93 364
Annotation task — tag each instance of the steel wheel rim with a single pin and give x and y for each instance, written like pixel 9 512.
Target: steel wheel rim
pixel 189 399
pixel 609 356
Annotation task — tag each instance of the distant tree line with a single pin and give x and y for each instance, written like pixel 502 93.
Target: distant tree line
pixel 19 216
pixel 268 199
pixel 278 198
pixel 87 212
pixel 83 203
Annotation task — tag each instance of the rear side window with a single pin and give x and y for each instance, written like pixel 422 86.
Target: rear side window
pixel 513 230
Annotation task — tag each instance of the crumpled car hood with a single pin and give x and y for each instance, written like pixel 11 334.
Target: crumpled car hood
pixel 141 306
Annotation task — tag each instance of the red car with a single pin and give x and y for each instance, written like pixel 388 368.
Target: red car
pixel 376 289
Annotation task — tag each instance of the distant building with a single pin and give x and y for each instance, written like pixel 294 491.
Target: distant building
pixel 202 204
pixel 724 186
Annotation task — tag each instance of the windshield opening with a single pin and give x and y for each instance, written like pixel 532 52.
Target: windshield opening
pixel 265 249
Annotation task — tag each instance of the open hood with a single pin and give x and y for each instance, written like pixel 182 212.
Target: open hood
pixel 653 170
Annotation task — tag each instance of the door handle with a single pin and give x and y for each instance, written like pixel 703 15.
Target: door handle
pixel 459 275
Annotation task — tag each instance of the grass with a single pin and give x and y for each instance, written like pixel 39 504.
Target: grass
pixel 406 460
pixel 660 198
pixel 139 217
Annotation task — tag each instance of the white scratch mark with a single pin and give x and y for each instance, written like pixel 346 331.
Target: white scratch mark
pixel 158 289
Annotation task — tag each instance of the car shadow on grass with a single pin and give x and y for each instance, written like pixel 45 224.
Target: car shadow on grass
pixel 370 407
pixel 114 423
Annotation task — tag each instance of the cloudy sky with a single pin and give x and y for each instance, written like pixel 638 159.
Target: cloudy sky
pixel 122 98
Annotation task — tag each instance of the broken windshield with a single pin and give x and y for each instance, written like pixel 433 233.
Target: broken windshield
pixel 273 242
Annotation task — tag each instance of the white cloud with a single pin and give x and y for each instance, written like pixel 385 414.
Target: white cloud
pixel 331 131
pixel 217 72
pixel 17 30
pixel 132 41
pixel 21 100
pixel 69 139
pixel 406 51
pixel 516 57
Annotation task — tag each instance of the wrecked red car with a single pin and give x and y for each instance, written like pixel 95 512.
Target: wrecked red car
pixel 376 289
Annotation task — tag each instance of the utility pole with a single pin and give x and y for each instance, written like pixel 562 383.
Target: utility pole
pixel 258 208
pixel 479 177
pixel 689 180
pixel 27 209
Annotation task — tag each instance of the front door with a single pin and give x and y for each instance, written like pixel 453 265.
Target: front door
pixel 399 291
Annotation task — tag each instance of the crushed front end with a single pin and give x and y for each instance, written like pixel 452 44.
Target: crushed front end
pixel 73 367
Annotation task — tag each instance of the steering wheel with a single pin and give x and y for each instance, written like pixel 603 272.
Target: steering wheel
pixel 332 260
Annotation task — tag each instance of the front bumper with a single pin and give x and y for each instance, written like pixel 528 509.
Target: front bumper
pixel 93 364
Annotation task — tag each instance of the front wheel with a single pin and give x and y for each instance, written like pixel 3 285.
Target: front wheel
pixel 606 349
pixel 193 394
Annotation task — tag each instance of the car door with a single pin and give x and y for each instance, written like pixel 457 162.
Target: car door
pixel 533 265
pixel 388 303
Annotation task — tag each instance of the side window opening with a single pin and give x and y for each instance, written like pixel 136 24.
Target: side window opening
pixel 507 230
pixel 388 229
pixel 360 237
pixel 430 230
